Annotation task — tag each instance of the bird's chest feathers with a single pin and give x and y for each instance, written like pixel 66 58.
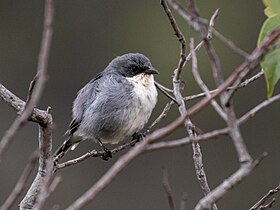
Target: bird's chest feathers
pixel 145 91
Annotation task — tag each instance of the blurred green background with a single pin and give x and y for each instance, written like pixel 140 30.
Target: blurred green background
pixel 87 35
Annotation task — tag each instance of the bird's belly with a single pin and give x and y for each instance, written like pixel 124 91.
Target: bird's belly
pixel 136 118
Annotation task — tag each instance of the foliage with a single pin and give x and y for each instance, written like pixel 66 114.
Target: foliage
pixel 271 62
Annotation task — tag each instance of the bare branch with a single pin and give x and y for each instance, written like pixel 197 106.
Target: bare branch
pixel 187 140
pixel 164 91
pixel 197 155
pixel 36 89
pixel 21 183
pixel 261 202
pixel 243 172
pixel 37 116
pixel 201 84
pixel 183 203
pixel 46 193
pixel 246 66
pixel 45 131
pixel 45 167
pixel 180 38
pixel 168 191
pixel 229 43
pixel 161 116
pixel 243 84
pixel 211 24
pixel 256 109
pixel 212 134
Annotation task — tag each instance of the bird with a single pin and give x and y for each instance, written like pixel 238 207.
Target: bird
pixel 115 104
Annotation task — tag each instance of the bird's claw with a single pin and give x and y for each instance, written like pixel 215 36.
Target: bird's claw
pixel 106 155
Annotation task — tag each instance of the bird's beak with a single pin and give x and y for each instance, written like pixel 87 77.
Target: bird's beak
pixel 151 70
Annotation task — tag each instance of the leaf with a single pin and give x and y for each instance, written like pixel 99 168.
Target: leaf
pixel 272 7
pixel 271 67
pixel 271 62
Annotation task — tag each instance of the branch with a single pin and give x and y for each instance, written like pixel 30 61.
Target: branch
pixel 260 203
pixel 183 203
pixel 45 167
pixel 241 85
pixel 46 193
pixel 36 89
pixel 246 67
pixel 243 172
pixel 18 189
pixel 161 116
pixel 229 43
pixel 168 190
pixel 201 84
pixel 212 134
pixel 45 131
pixel 197 155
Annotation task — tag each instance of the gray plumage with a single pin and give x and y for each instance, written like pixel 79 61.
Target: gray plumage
pixel 115 104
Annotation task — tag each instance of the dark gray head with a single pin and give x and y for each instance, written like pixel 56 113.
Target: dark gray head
pixel 131 64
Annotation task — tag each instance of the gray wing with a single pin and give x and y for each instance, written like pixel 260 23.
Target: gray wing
pixel 112 107
pixel 84 97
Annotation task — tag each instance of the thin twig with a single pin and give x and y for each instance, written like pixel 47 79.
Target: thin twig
pixel 212 134
pixel 261 202
pixel 245 67
pixel 180 38
pixel 242 85
pixel 201 84
pixel 36 90
pixel 243 172
pixel 230 44
pixel 211 24
pixel 167 189
pixel 21 183
pixel 163 87
pixel 268 205
pixel 183 202
pixel 161 116
pixel 163 90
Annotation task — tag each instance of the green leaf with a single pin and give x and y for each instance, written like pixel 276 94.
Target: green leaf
pixel 271 67
pixel 272 7
pixel 271 62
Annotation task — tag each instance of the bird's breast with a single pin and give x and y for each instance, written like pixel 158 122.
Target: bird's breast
pixel 145 94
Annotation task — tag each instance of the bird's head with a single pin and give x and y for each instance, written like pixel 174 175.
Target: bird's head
pixel 132 64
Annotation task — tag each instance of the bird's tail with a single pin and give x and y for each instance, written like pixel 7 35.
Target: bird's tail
pixel 70 142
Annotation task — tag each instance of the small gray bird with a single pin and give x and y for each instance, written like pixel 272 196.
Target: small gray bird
pixel 115 104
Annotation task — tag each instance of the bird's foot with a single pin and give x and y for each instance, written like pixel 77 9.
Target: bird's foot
pixel 107 154
pixel 138 137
